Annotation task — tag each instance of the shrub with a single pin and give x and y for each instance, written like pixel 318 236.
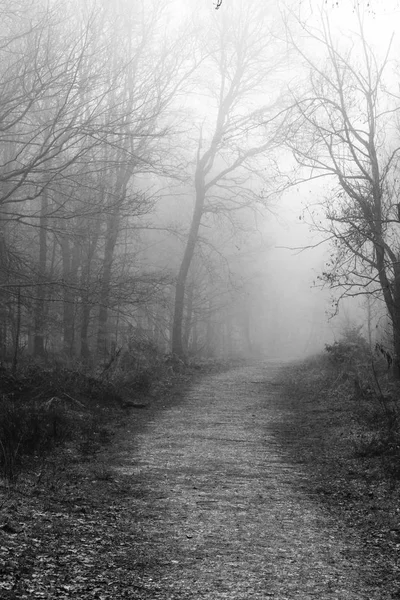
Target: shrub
pixel 28 428
pixel 361 408
pixel 360 376
pixel 351 348
pixel 42 408
pixel 138 370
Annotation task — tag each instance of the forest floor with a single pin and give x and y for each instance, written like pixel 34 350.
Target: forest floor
pixel 228 489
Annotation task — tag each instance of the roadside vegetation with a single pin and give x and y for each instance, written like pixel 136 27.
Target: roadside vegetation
pixel 50 406
pixel 341 423
pixel 351 389
pixel 59 429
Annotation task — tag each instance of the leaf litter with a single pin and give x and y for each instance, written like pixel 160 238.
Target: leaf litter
pixel 166 514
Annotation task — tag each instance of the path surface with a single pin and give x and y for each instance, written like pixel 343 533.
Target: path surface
pixel 223 514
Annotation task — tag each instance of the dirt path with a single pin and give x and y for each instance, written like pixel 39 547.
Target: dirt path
pixel 196 500
pixel 220 514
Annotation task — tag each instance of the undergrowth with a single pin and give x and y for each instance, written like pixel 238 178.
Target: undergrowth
pixel 41 408
pixel 356 382
pixel 45 406
pixel 48 405
pixel 340 423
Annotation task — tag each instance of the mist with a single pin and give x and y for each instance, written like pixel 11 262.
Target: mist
pixel 182 177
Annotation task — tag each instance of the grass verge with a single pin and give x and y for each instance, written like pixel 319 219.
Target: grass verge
pixel 344 433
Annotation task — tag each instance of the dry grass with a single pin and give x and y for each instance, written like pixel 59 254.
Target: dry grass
pixel 341 425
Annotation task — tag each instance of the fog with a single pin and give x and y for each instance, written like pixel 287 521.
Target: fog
pixel 204 182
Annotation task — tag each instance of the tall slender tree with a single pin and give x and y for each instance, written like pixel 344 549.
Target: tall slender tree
pixel 243 123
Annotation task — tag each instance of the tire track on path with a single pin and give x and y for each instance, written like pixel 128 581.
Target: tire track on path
pixel 224 514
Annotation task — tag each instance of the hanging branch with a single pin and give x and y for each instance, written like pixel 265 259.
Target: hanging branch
pixel 219 2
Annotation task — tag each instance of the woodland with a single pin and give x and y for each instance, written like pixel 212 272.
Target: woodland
pixel 143 147
pixel 105 144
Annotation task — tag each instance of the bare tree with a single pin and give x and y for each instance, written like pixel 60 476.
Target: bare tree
pixel 84 110
pixel 345 135
pixel 51 100
pixel 243 123
pixel 156 69
pixel 51 97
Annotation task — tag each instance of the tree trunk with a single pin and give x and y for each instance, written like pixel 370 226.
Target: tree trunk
pixel 86 306
pixel 39 310
pixel 85 321
pixel 177 342
pixel 85 313
pixel 194 346
pixel 111 240
pixel 396 321
pixel 227 335
pixel 246 326
pixel 210 332
pixel 17 333
pixel 391 296
pixel 188 318
pixel 3 294
pixel 70 263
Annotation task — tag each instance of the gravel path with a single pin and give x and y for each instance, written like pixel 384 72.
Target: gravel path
pixel 219 513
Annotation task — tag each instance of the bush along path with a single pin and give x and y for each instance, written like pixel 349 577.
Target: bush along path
pixel 196 498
